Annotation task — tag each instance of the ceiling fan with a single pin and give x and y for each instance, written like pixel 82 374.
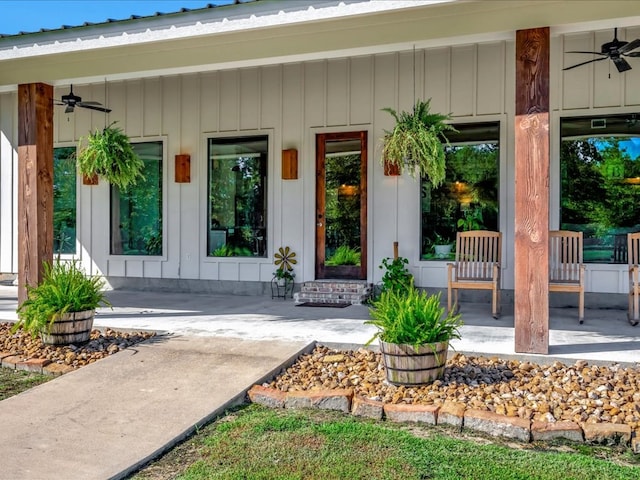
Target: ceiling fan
pixel 72 101
pixel 614 50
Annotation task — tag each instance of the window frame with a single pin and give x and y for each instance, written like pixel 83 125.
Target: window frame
pixel 149 258
pixel 272 191
pixel 77 243
pixel 555 184
pixel 503 190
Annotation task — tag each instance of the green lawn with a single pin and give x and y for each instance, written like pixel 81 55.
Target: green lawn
pixel 13 382
pixel 258 443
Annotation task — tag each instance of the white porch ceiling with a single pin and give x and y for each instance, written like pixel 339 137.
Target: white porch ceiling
pixel 266 32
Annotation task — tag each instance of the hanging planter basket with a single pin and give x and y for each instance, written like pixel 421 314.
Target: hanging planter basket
pixel 108 154
pixel 415 143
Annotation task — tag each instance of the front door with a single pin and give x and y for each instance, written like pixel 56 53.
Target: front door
pixel 341 205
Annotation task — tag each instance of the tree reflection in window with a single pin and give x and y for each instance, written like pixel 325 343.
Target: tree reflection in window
pixel 237 197
pixel 64 200
pixel 468 198
pixel 136 214
pixel 600 183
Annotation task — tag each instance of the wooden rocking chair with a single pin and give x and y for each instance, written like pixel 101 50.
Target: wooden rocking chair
pixel 566 270
pixel 477 266
pixel 633 255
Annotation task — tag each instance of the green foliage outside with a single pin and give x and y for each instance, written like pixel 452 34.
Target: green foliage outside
pixel 342 209
pixel 231 251
pixel 64 200
pixel 598 193
pixel 258 443
pixel 64 288
pixel 139 208
pixel 468 198
pixel 344 255
pixel 237 195
pixel 412 317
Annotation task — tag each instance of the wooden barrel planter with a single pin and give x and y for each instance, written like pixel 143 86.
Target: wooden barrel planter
pixel 73 327
pixel 406 366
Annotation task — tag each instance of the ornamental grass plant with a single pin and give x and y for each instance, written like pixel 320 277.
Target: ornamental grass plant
pixel 412 317
pixel 64 288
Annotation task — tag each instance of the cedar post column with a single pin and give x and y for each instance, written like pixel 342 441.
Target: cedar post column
pixel 35 183
pixel 531 252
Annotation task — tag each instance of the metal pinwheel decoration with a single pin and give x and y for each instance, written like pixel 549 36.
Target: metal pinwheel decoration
pixel 285 259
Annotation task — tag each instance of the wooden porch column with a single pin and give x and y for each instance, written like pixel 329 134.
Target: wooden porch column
pixel 531 292
pixel 35 183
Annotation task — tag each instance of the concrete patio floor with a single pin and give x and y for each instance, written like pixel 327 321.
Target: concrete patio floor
pixel 605 336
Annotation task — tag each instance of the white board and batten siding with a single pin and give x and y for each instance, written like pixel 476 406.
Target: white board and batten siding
pixel 291 103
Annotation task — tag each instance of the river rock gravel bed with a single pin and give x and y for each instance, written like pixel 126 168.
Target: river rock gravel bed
pixel 579 392
pixel 101 344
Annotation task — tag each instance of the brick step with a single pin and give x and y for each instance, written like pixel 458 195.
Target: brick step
pixel 331 287
pixel 335 297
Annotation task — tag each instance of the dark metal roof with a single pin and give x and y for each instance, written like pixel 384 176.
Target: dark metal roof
pixel 132 17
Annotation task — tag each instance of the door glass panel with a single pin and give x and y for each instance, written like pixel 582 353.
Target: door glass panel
pixel 342 203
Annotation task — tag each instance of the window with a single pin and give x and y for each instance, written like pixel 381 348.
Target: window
pixel 237 207
pixel 64 200
pixel 468 198
pixel 136 214
pixel 600 183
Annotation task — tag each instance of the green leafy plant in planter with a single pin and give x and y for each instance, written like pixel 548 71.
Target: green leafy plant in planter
pixel 416 142
pixel 64 291
pixel 108 154
pixel 397 276
pixel 414 334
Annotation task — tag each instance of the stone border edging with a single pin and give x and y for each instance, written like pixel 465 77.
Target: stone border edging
pixel 450 413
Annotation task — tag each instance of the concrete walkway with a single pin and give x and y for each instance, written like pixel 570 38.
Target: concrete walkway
pixel 106 419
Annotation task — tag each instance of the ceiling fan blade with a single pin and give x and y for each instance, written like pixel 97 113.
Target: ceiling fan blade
pixel 632 54
pixel 630 46
pixel 56 102
pixel 584 63
pixel 621 64
pixel 69 109
pixel 90 102
pixel 590 53
pixel 92 107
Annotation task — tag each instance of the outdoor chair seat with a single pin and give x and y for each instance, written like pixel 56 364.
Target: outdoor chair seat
pixel 476 266
pixel 566 270
pixel 633 255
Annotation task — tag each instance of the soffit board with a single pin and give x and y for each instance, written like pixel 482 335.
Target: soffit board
pixel 423 26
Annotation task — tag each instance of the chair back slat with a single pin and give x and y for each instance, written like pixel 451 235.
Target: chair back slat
pixel 476 253
pixel 633 248
pixel 565 256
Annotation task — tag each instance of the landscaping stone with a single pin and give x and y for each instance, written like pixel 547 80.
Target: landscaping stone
pixel 339 399
pixel 607 433
pixel 451 413
pixel 363 407
pixel 545 431
pixel 578 393
pixel 635 442
pixel 269 397
pixel 33 364
pixel 497 425
pixel 20 347
pixel 411 413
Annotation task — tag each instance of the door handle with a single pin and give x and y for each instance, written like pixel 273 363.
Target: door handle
pixel 319 224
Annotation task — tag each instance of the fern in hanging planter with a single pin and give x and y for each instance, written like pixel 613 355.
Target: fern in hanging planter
pixel 109 155
pixel 416 142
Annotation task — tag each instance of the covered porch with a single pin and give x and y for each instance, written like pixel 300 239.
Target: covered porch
pixel 605 337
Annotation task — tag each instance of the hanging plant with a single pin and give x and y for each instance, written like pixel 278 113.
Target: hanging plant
pixel 416 142
pixel 108 153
